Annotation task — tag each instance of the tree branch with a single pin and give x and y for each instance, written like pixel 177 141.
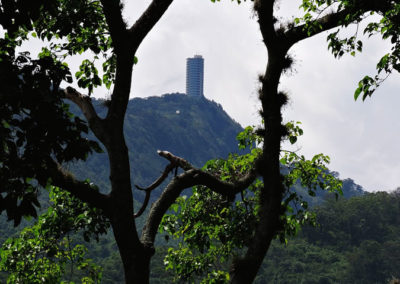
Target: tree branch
pixel 322 24
pixel 112 11
pixel 175 160
pixel 154 185
pixel 174 163
pixel 147 20
pixel 86 106
pixel 65 180
pixel 191 177
pixel 201 177
pixel 83 102
pixel 265 11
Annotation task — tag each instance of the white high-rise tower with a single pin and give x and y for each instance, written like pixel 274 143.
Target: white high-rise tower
pixel 195 76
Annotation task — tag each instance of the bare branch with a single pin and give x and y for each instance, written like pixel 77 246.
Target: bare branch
pixel 65 180
pixel 163 176
pixel 147 20
pixel 160 207
pixel 201 177
pixel 175 160
pixel 154 185
pixel 144 205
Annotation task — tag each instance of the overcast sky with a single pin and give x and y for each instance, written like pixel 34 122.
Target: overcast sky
pixel 360 137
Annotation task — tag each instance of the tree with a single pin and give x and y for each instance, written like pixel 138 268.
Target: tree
pixel 84 25
pixel 98 26
pixel 279 38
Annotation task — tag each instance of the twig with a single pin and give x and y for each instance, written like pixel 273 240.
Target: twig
pixel 151 187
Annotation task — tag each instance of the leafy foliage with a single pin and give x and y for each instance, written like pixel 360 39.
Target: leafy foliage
pixel 43 252
pixel 76 26
pixel 212 227
pixel 210 119
pixel 36 124
pixel 356 241
pixel 302 262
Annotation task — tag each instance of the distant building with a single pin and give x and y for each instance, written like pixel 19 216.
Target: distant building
pixel 195 76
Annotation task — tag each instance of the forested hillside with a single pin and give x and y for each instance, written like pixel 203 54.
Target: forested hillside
pixel 357 241
pixel 238 206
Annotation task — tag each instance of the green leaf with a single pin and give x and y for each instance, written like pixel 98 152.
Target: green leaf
pixel 357 93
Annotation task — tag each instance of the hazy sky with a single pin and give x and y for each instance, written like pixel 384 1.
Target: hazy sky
pixel 360 137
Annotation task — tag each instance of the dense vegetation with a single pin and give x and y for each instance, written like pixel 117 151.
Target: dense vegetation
pixel 357 241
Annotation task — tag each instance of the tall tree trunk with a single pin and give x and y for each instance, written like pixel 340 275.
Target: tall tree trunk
pixel 244 270
pixel 134 255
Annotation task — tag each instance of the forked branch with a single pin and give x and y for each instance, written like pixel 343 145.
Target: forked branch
pixel 175 162
pixel 147 21
pixel 151 187
pixel 190 177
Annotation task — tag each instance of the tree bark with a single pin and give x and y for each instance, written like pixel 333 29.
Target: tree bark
pixel 134 255
pixel 244 270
